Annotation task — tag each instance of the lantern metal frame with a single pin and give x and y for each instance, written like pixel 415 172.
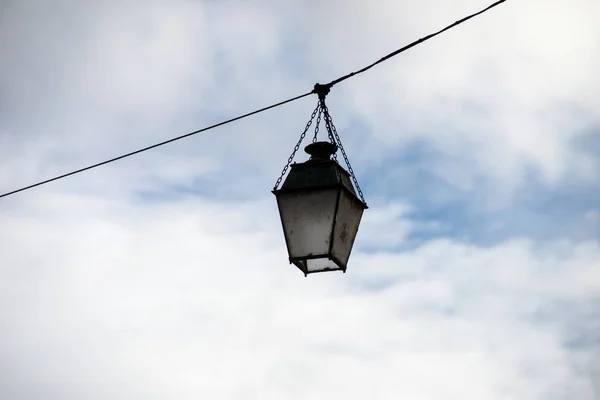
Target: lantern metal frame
pixel 319 175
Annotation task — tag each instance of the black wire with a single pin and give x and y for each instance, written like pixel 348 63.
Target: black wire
pixel 154 145
pixel 319 89
pixel 416 42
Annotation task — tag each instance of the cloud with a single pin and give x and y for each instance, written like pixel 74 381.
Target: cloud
pixel 193 298
pixel 502 93
pixel 165 275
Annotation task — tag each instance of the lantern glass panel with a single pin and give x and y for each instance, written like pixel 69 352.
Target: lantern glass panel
pixel 348 218
pixel 307 218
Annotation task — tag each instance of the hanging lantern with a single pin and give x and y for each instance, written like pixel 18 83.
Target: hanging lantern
pixel 319 207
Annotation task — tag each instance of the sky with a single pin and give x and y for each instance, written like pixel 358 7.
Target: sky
pixel 476 270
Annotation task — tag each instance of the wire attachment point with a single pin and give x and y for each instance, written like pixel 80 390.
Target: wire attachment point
pixel 321 90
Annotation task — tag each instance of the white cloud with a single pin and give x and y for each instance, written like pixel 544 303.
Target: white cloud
pixel 511 90
pixel 192 298
pixel 107 294
pixel 499 94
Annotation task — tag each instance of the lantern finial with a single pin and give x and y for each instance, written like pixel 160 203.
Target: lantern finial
pixel 320 151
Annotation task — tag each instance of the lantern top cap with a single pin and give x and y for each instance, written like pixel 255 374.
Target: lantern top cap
pixel 321 151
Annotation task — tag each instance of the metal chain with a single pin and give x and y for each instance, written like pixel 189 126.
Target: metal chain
pixel 314 140
pixel 302 136
pixel 327 126
pixel 334 136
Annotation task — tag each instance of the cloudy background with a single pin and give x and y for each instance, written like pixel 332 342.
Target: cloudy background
pixel 476 272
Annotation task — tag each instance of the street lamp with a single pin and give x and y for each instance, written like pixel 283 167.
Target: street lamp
pixel 320 211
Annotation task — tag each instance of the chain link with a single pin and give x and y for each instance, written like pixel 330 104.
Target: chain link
pixel 335 139
pixel 314 140
pixel 302 136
